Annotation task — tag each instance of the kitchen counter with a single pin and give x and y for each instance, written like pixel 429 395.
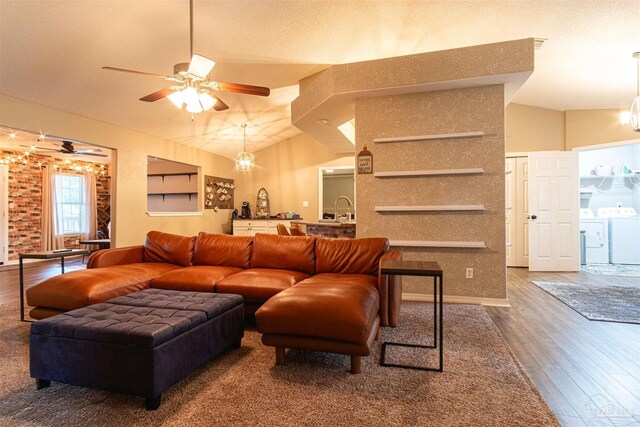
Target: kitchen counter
pixel 329 229
pixel 326 224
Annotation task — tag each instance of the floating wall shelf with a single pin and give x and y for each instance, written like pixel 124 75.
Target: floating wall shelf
pixel 460 135
pixel 434 172
pixel 429 208
pixel 436 244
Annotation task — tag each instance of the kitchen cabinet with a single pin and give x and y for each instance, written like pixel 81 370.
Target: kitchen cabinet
pixel 250 227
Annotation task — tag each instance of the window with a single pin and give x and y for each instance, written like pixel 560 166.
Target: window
pixel 71 210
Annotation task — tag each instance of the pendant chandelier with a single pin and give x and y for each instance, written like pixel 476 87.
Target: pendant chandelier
pixel 244 160
pixel 635 107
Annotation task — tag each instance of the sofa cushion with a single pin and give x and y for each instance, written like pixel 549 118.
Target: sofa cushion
pixel 331 279
pixel 222 249
pixel 350 256
pixel 259 284
pixel 169 248
pixel 342 311
pixel 197 278
pixel 85 287
pixel 284 252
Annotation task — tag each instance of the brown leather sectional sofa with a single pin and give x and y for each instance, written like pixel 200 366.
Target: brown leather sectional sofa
pixel 317 294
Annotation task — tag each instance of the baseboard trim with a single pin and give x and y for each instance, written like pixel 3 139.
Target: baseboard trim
pixel 456 299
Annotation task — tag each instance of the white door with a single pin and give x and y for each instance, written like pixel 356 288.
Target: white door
pixel 522 212
pixel 554 238
pixel 4 214
pixel 510 210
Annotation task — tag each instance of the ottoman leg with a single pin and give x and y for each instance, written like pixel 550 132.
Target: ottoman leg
pixel 152 403
pixel 356 363
pixel 280 355
pixel 379 334
pixel 40 384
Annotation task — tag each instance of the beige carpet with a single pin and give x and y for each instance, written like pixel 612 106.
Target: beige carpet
pixel 482 385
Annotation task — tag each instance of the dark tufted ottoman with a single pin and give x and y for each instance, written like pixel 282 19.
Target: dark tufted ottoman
pixel 140 343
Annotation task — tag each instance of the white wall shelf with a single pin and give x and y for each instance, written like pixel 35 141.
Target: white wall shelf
pixel 433 172
pixel 436 244
pixel 429 208
pixel 460 135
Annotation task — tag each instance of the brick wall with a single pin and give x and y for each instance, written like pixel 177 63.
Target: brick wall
pixel 25 201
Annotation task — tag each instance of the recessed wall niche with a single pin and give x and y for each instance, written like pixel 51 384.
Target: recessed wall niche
pixel 171 186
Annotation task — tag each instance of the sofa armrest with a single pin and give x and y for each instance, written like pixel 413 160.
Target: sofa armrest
pixel 116 256
pixel 390 289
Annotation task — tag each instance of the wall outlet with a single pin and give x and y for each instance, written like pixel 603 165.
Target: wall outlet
pixel 76 242
pixel 305 203
pixel 469 273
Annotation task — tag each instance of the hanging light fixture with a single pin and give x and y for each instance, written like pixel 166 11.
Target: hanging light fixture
pixel 244 160
pixel 634 119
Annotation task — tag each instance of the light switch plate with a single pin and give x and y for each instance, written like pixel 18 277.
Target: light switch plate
pixel 305 203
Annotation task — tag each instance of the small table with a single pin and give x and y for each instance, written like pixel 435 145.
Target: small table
pixel 44 255
pixel 102 244
pixel 423 269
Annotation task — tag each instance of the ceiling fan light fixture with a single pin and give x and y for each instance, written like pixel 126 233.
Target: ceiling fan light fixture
pixel 176 98
pixel 206 101
pixel 200 66
pixel 634 119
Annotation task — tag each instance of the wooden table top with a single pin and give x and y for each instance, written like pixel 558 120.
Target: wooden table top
pixel 411 268
pixel 53 254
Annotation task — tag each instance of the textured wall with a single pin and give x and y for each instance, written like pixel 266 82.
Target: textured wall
pixel 460 110
pixel 25 193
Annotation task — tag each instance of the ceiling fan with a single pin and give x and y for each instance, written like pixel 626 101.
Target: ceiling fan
pixel 67 148
pixel 192 87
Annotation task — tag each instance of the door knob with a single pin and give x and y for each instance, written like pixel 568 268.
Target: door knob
pixel 533 217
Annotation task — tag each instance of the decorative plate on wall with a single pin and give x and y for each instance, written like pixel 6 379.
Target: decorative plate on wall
pixel 223 187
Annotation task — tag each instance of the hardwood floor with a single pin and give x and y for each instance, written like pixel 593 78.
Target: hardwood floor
pixel 34 272
pixel 588 372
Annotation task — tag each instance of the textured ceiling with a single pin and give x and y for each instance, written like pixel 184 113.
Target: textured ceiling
pixel 51 53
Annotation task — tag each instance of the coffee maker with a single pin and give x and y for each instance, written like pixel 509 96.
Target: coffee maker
pixel 246 211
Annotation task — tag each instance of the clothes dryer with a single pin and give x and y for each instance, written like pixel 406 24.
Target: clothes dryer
pixel 597 237
pixel 624 235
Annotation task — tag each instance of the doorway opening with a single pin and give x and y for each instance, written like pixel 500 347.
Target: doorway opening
pixel 609 207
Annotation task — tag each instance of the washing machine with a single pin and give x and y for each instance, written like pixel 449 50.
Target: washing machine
pixel 624 235
pixel 597 237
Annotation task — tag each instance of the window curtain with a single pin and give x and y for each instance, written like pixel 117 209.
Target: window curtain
pixel 53 214
pixel 49 241
pixel 90 198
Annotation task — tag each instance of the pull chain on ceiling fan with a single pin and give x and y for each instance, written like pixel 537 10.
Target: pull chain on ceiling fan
pixel 194 90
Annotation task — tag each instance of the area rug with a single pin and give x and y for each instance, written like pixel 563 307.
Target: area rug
pixel 610 303
pixel 482 384
pixel 612 269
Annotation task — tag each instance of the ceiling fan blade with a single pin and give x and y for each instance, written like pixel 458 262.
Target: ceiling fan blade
pixel 124 70
pixel 158 95
pixel 246 89
pixel 200 66
pixel 92 154
pixel 39 148
pixel 88 151
pixel 219 105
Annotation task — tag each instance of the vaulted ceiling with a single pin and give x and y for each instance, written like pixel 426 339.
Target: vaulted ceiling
pixel 51 52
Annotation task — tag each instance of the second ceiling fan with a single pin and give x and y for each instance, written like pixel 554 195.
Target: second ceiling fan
pixel 192 88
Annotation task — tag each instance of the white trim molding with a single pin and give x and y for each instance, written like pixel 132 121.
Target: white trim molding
pixel 456 299
pixel 459 135
pixel 175 213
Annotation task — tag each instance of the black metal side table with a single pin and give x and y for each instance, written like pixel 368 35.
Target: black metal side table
pixel 423 269
pixel 44 255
